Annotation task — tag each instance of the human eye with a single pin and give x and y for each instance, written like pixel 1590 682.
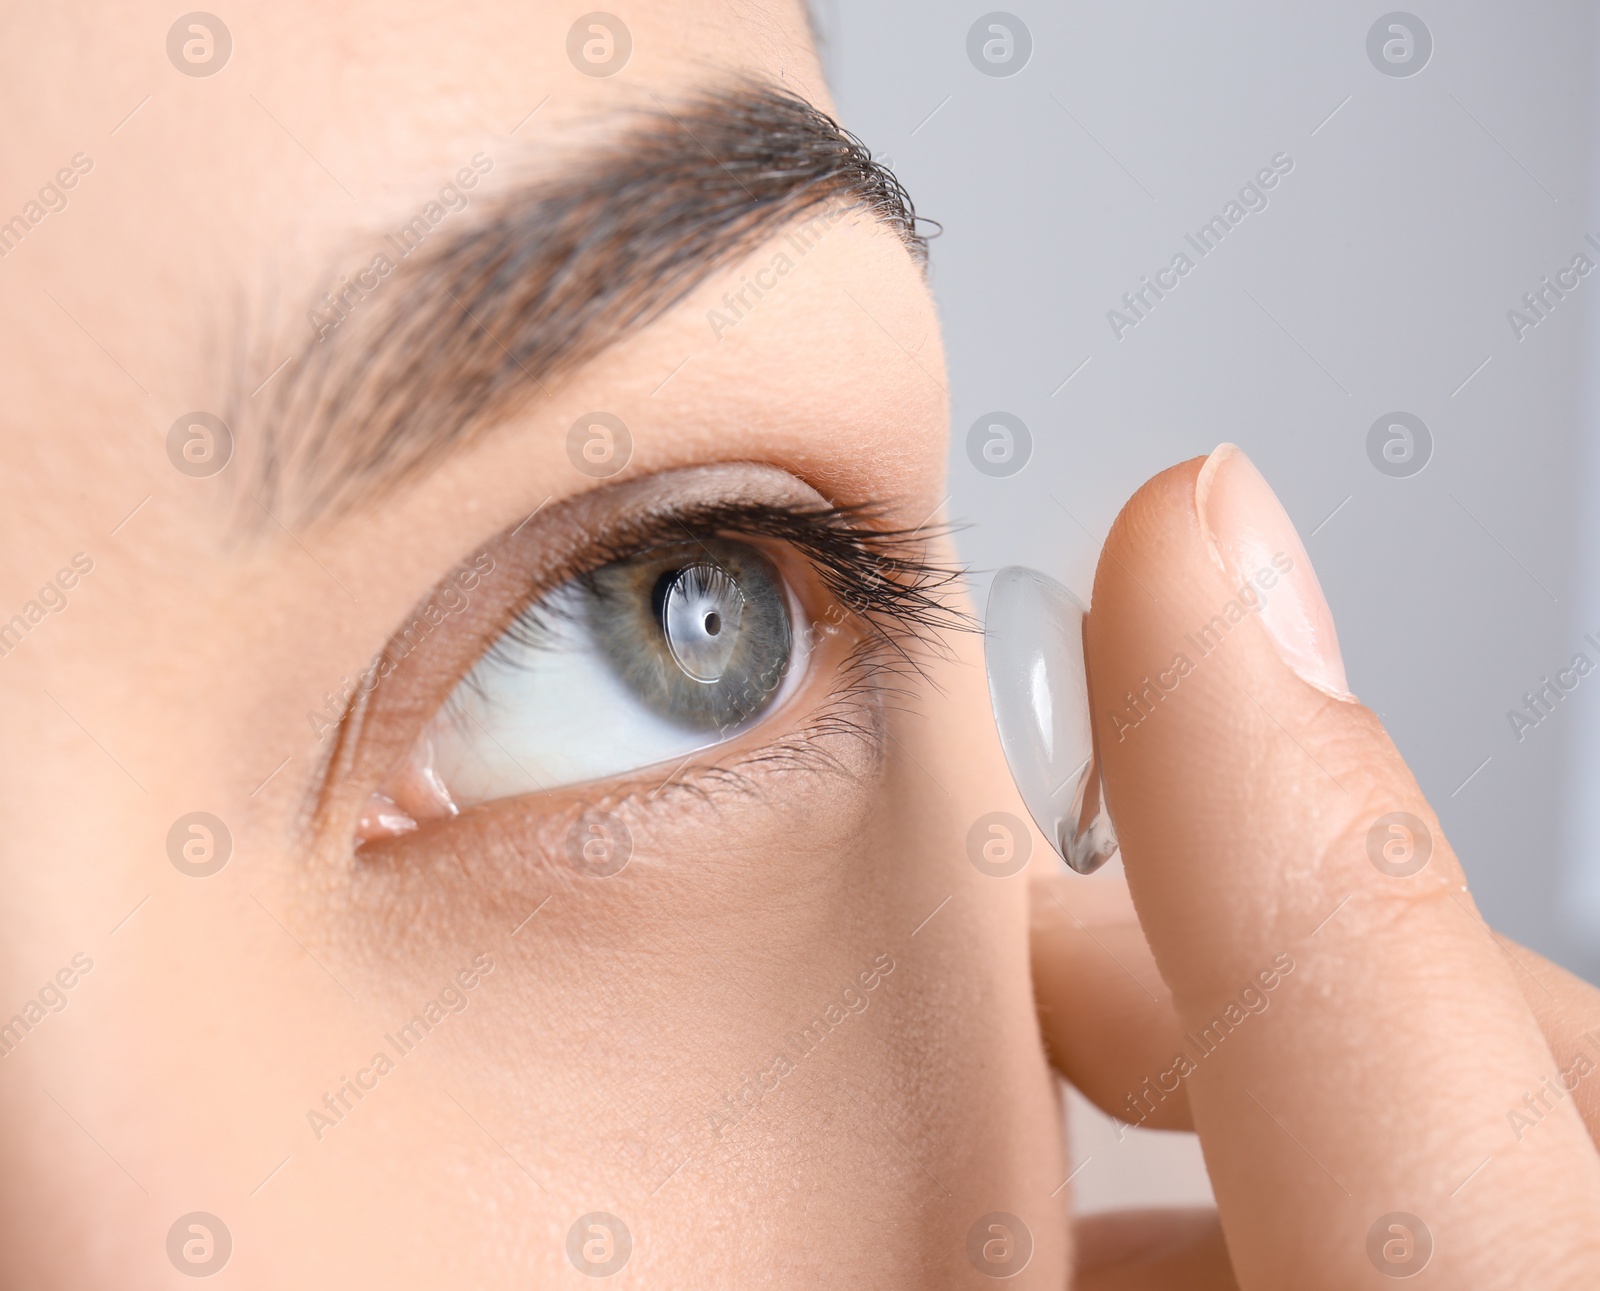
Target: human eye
pixel 692 623
pixel 641 661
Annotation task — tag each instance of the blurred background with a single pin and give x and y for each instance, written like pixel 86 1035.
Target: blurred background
pixel 1396 332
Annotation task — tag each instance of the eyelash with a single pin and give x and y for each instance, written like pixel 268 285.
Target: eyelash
pixel 880 576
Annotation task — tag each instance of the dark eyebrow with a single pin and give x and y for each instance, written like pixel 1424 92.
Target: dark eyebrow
pixel 473 322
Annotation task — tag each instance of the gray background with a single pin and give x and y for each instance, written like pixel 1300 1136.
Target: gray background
pixel 1378 278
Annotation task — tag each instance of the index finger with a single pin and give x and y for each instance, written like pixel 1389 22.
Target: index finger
pixel 1356 1046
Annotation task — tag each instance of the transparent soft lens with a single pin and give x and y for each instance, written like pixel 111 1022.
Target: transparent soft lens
pixel 701 620
pixel 1033 652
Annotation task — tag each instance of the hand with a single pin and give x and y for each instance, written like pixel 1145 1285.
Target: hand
pixel 1326 1007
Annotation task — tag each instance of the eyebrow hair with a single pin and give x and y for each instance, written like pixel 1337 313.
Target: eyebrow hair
pixel 472 323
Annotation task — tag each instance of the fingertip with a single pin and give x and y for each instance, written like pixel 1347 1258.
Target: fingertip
pixel 1160 512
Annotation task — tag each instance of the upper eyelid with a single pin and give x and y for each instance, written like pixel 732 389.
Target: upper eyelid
pixel 883 576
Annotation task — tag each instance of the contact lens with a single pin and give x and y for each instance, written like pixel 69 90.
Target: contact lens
pixel 698 632
pixel 1038 687
pixel 700 617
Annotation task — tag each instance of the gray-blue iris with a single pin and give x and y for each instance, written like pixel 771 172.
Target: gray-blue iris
pixel 699 631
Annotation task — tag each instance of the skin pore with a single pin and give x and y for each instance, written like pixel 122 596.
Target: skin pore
pixel 227 1020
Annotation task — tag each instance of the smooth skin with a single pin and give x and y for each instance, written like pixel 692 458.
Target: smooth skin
pixel 582 1072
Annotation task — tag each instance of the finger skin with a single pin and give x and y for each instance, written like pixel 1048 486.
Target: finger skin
pixel 1152 1250
pixel 1568 1010
pixel 1357 1042
pixel 1105 1013
pixel 1109 1025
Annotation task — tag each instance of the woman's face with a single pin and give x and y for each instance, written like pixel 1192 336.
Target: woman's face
pixel 479 322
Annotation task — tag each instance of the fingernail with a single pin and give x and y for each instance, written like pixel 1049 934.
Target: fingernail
pixel 1252 539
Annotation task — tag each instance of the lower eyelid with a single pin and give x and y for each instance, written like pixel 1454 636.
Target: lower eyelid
pixel 818 738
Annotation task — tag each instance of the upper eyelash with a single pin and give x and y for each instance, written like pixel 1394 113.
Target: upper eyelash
pixel 881 576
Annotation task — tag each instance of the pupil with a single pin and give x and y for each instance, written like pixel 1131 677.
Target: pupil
pixel 713 624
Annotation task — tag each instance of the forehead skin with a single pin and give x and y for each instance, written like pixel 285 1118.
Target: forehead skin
pixel 179 677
